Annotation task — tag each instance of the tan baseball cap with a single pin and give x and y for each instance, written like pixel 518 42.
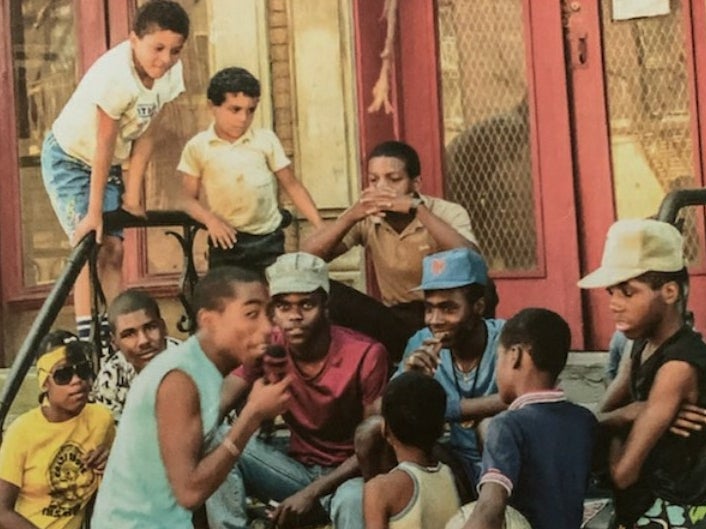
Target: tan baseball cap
pixel 297 273
pixel 634 247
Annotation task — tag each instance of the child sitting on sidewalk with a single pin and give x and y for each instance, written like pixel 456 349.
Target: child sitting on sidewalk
pixel 537 454
pixel 420 492
pixel 238 168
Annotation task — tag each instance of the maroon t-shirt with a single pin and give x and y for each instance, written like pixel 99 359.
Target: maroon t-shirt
pixel 325 410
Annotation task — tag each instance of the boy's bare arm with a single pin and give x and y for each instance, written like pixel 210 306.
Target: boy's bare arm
pixel 675 383
pixel 9 517
pixel 221 233
pixel 142 149
pixel 192 476
pixel 443 233
pixel 107 133
pixel 376 510
pixel 234 388
pixel 489 512
pixel 300 195
pixel 479 408
pixel 616 410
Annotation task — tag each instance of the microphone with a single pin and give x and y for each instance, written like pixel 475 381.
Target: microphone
pixel 274 366
pixel 274 363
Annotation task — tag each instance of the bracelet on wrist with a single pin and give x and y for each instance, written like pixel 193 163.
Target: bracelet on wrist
pixel 231 447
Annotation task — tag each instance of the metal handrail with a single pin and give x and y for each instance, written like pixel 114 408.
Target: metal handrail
pixel 668 211
pixel 680 198
pixel 79 256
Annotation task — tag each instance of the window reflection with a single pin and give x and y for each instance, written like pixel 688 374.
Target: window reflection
pixel 44 70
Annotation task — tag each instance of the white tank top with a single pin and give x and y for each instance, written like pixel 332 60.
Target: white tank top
pixel 434 500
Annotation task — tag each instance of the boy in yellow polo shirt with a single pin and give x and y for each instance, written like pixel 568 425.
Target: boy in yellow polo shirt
pixel 238 170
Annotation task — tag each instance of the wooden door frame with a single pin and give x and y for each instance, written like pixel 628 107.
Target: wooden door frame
pixel 414 97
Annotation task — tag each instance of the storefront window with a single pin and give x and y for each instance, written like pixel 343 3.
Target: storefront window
pixel 44 68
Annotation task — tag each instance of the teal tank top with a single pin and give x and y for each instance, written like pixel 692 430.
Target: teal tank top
pixel 135 491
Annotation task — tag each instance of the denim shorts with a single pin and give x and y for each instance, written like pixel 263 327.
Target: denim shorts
pixel 68 183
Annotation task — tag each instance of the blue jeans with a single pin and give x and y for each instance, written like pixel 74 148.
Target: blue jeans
pixel 68 183
pixel 266 472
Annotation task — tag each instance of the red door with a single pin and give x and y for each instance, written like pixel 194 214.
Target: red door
pixel 637 128
pixel 548 121
pixel 480 91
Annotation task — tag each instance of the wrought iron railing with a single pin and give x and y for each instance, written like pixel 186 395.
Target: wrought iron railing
pixel 676 200
pixel 86 251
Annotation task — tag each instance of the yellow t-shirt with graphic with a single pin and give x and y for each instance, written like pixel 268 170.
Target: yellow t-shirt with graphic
pixel 45 460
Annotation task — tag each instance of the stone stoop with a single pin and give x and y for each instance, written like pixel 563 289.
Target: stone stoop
pixel 582 380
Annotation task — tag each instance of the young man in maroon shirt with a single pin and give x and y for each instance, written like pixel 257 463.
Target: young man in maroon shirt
pixel 337 375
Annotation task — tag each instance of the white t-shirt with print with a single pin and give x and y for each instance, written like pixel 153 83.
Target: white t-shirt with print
pixel 112 83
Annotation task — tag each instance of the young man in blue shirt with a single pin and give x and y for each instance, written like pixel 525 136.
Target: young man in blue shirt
pixel 457 348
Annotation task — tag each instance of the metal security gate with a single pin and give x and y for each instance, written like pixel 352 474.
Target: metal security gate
pixel 636 95
pixel 487 128
pixel 548 121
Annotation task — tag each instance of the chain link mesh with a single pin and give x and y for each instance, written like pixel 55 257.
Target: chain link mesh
pixel 649 111
pixel 486 126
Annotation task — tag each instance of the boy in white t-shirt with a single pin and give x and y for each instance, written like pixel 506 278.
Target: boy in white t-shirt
pixel 109 120
pixel 238 169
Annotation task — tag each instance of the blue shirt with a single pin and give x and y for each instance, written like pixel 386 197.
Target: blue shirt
pixel 539 450
pixel 135 492
pixel 479 382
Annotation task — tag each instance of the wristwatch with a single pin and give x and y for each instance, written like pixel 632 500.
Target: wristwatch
pixel 416 202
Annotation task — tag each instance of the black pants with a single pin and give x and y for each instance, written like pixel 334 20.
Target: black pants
pixel 255 252
pixel 391 326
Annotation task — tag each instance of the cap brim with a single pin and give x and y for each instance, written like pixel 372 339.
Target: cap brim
pixel 297 286
pixel 442 285
pixel 604 277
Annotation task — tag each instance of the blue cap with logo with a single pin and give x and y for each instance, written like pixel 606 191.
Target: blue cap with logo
pixel 452 269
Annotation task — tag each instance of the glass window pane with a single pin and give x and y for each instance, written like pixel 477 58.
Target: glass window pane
pixel 44 69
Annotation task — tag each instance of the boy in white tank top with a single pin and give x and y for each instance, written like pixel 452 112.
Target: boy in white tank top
pixel 420 492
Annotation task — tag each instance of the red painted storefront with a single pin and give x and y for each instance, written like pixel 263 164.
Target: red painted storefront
pixel 571 169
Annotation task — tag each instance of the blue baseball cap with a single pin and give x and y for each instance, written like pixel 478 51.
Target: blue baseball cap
pixel 452 269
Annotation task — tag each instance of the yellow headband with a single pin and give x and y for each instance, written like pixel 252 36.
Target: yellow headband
pixel 46 362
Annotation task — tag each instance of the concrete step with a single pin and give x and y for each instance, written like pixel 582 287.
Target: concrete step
pixel 582 380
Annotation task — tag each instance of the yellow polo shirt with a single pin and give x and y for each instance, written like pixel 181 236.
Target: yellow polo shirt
pixel 238 178
pixel 397 257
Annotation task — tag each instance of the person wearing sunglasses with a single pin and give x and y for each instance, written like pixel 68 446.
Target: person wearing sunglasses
pixel 52 457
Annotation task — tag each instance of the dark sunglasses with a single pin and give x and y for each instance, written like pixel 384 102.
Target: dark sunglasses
pixel 63 375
